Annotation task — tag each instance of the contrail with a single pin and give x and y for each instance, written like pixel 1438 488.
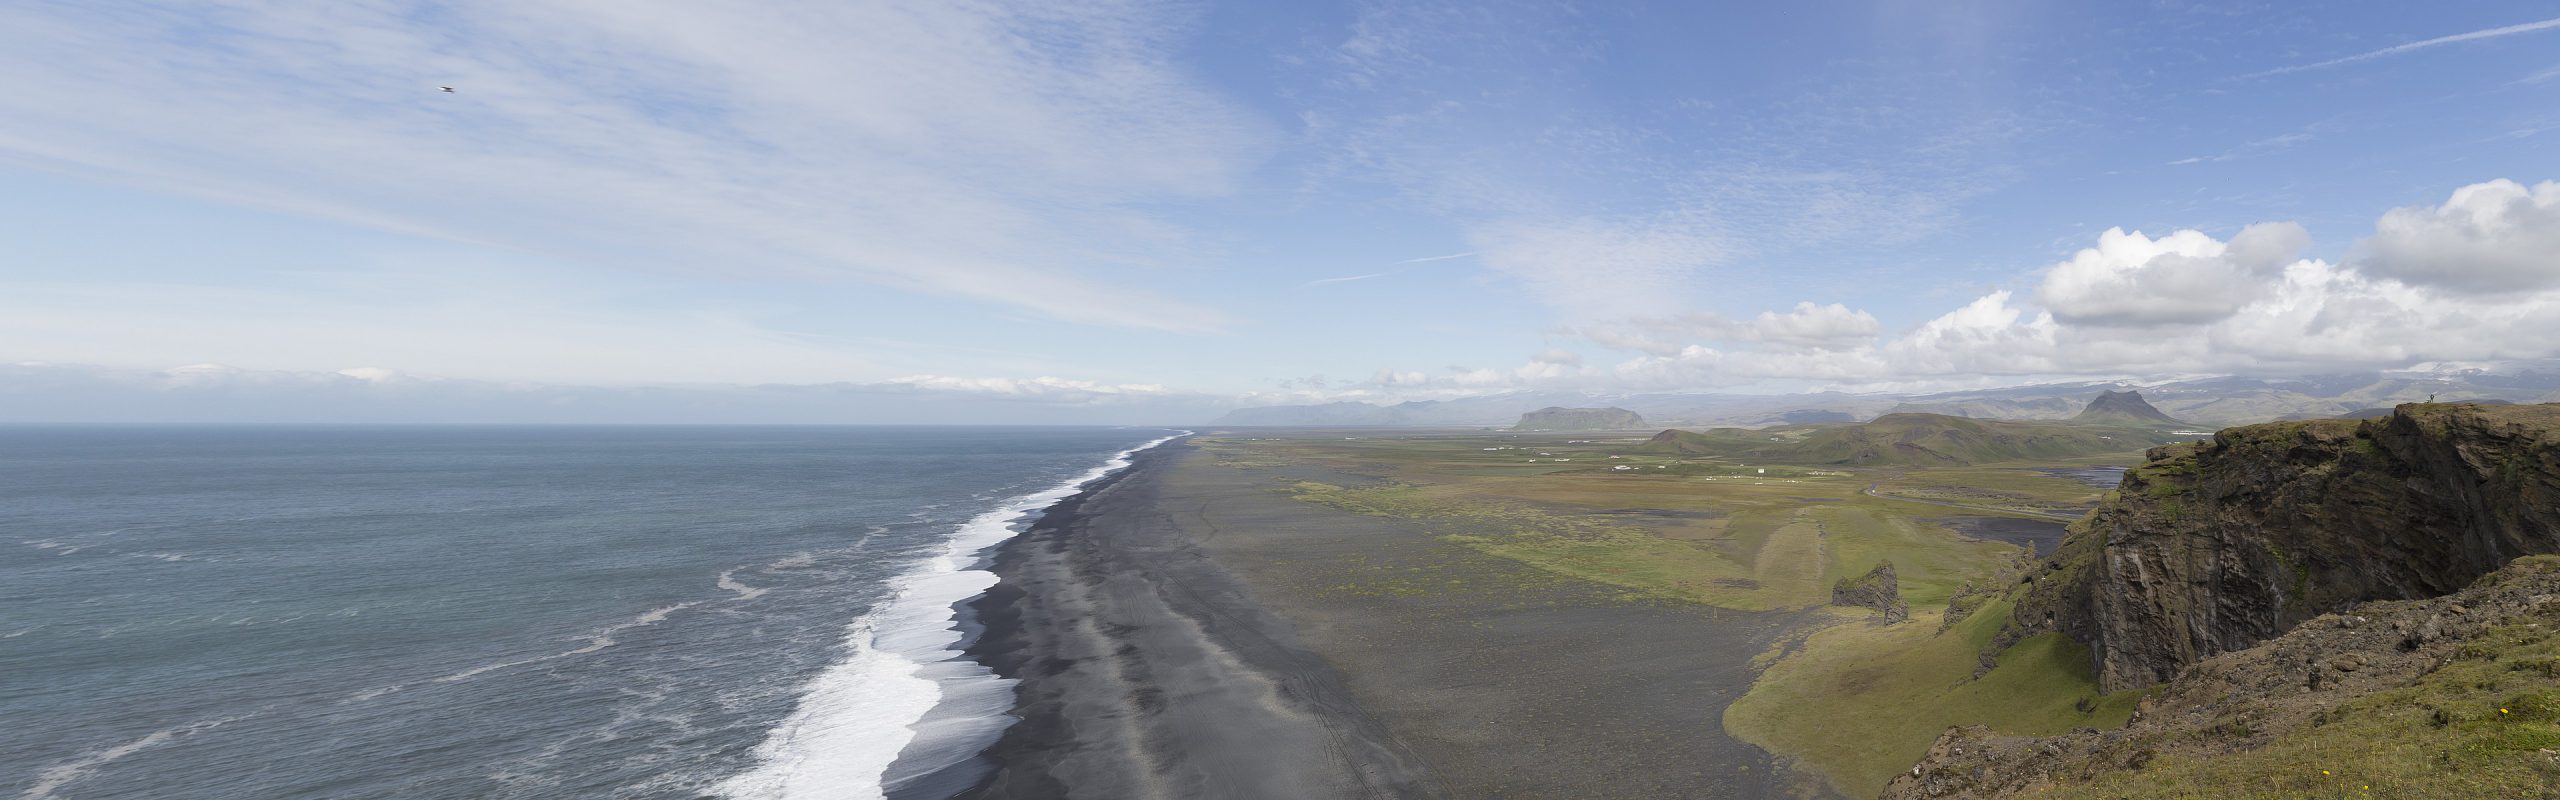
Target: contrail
pixel 1437 258
pixel 1350 278
pixel 2397 49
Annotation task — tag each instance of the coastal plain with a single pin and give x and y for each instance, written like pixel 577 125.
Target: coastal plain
pixel 1512 614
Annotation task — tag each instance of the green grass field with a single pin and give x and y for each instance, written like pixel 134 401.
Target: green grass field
pixel 1859 702
pixel 1854 701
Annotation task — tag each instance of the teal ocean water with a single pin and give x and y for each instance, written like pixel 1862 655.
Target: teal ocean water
pixel 446 612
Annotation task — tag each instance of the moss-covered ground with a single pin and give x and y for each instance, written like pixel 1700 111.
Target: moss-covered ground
pixel 2485 725
pixel 1859 702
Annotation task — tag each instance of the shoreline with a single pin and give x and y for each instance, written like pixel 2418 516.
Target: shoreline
pixel 1187 628
pixel 990 626
pixel 908 711
pixel 1144 670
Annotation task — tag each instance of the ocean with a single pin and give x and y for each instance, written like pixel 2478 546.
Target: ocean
pixel 468 612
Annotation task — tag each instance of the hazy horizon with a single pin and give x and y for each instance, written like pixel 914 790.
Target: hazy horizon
pixel 1155 213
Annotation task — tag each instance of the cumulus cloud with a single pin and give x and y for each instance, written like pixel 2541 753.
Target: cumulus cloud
pixel 2489 237
pixel 2184 278
pixel 2473 280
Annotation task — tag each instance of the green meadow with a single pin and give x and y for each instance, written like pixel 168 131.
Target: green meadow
pixel 1849 700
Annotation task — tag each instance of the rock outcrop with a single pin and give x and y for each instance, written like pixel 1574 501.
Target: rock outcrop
pixel 1877 590
pixel 2215 546
pixel 1558 418
pixel 2121 408
pixel 2449 697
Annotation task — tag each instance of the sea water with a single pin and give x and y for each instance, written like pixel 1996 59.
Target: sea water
pixel 450 612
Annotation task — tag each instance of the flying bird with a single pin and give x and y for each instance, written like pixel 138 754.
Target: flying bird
pixel 447 89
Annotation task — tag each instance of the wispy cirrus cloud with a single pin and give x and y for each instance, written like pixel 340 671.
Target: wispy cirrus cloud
pixel 1607 195
pixel 996 151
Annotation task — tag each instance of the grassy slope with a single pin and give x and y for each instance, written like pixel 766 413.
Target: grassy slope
pixel 1860 702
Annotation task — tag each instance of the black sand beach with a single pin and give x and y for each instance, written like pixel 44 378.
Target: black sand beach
pixel 1189 630
pixel 1148 672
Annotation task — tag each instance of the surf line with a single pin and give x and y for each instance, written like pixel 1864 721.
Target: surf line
pixel 859 715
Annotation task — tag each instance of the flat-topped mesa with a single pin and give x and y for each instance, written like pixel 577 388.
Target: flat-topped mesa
pixel 2122 408
pixel 1559 418
pixel 2215 546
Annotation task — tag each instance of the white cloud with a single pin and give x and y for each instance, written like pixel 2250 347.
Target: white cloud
pixel 220 393
pixel 463 323
pixel 2185 277
pixel 2181 304
pixel 1811 326
pixel 2489 237
pixel 1045 387
pixel 1808 326
pixel 1596 268
pixel 996 151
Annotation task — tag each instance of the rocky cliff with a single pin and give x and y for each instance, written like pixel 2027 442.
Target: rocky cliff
pixel 2452 697
pixel 1878 590
pixel 2215 546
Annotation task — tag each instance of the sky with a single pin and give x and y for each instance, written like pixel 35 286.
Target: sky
pixel 1025 211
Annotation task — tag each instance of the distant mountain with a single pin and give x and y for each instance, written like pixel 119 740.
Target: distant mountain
pixel 2121 408
pixel 1558 418
pixel 2203 403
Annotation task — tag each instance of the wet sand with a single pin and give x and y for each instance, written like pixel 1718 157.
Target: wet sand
pixel 1189 630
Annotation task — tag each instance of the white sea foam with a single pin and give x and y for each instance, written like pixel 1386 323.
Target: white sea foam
pixel 81 766
pixel 729 582
pixel 855 718
pixel 598 639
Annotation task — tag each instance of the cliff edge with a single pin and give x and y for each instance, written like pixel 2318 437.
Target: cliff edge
pixel 2215 546
pixel 2453 697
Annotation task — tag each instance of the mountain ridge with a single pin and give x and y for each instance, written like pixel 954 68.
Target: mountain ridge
pixel 2202 402
pixel 1559 418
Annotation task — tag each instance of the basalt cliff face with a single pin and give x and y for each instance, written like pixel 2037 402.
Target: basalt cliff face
pixel 2216 546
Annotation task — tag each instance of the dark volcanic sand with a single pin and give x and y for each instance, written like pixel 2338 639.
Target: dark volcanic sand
pixel 2035 534
pixel 1147 673
pixel 1317 653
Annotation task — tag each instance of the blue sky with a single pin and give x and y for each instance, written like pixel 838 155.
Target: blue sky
pixel 1277 201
